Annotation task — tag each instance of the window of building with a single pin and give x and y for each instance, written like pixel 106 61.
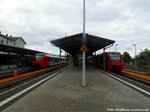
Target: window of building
pixel 2 41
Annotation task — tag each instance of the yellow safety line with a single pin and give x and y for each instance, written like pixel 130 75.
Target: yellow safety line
pixel 136 74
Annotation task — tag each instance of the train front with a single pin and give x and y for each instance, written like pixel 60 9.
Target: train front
pixel 115 62
pixel 38 60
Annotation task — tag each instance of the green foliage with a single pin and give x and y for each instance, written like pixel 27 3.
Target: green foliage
pixel 126 57
pixel 138 66
pixel 144 53
pixel 143 58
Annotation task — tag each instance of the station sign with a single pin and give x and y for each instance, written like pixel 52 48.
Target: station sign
pixel 84 48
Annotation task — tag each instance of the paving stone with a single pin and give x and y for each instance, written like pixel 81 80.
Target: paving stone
pixel 64 93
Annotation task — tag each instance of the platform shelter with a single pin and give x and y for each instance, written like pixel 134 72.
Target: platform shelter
pixel 73 43
pixel 12 57
pixel 81 46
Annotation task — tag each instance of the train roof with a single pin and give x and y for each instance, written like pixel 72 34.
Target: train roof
pixel 112 52
pixel 50 55
pixel 108 53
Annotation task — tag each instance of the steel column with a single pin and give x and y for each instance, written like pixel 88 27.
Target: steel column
pixel 104 59
pixel 84 53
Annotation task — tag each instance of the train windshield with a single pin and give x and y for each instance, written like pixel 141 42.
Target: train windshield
pixel 38 57
pixel 115 56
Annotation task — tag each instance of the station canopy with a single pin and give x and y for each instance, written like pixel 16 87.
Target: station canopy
pixel 12 49
pixel 73 43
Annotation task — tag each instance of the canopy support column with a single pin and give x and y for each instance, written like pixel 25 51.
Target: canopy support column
pixel 83 71
pixel 60 58
pixel 104 59
pixel 8 64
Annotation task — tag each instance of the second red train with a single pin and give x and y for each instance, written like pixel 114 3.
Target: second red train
pixel 113 61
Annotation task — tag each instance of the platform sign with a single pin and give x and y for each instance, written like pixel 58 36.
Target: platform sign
pixel 84 48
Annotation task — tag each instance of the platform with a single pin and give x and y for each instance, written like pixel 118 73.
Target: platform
pixel 63 93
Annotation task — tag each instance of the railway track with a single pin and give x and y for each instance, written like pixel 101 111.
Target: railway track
pixel 13 94
pixel 142 78
pixel 142 86
pixel 144 72
pixel 139 84
pixel 138 70
pixel 9 73
pixel 16 78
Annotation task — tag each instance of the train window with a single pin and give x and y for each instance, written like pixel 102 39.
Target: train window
pixel 114 56
pixel 55 59
pixel 38 57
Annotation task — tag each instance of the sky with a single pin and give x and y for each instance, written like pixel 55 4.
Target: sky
pixel 40 21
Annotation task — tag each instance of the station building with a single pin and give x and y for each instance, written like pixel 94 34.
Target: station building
pixel 12 41
pixel 13 53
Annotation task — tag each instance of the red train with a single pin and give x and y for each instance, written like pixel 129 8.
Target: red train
pixel 113 61
pixel 42 60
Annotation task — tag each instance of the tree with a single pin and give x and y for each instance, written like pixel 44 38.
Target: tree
pixel 126 57
pixel 144 57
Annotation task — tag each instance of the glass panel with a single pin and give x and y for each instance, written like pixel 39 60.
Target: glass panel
pixel 115 56
pixel 38 57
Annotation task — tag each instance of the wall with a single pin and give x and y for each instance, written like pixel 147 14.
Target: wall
pixel 19 43
pixel 2 40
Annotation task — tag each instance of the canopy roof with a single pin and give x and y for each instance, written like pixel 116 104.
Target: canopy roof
pixel 72 44
pixel 12 49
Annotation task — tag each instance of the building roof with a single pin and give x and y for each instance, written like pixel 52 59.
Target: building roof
pixel 12 38
pixel 12 49
pixel 17 38
pixel 3 36
pixel 72 44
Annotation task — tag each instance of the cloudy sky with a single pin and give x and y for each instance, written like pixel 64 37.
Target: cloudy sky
pixel 39 21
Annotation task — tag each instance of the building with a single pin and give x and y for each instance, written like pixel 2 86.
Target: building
pixel 12 41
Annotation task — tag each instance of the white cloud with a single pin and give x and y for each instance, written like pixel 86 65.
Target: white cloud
pixel 39 21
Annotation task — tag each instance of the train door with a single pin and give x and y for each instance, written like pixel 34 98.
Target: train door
pixel 45 61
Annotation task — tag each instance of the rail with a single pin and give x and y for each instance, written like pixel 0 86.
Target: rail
pixel 135 74
pixel 16 76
